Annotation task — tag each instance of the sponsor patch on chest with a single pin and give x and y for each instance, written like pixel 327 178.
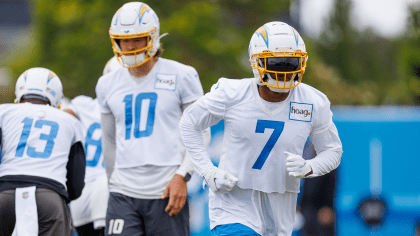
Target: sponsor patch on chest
pixel 165 81
pixel 300 111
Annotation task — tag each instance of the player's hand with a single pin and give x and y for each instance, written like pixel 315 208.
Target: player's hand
pixel 177 191
pixel 297 166
pixel 219 181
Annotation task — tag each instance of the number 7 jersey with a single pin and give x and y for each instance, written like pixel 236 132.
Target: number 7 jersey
pixel 36 140
pixel 257 133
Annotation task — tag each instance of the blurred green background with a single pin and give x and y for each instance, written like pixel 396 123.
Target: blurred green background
pixel 350 66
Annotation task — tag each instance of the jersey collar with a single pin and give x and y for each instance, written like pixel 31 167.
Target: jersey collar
pixel 261 104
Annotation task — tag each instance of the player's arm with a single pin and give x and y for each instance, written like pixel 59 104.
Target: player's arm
pixel 204 113
pixel 177 187
pixel 329 150
pixel 186 169
pixel 192 135
pixel 327 144
pixel 107 126
pixel 76 167
pixel 108 141
pixel 190 91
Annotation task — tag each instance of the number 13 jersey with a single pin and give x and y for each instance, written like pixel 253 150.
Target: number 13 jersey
pixel 36 140
pixel 147 114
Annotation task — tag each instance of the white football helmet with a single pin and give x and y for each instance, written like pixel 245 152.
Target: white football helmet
pixel 135 20
pixel 42 82
pixel 111 65
pixel 278 56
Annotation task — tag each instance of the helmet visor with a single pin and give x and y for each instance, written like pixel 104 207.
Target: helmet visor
pixel 281 64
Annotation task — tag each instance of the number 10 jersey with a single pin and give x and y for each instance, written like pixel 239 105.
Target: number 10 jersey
pixel 147 114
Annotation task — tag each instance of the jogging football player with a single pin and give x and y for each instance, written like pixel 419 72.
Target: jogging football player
pixel 42 161
pixel 267 120
pixel 141 106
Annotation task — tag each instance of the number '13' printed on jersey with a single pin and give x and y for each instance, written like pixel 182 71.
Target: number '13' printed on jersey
pixel 27 127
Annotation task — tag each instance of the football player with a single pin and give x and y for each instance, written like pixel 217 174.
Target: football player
pixel 42 161
pixel 89 210
pixel 141 106
pixel 267 120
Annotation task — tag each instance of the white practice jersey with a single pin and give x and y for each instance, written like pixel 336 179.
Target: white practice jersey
pixel 147 114
pixel 36 140
pixel 88 112
pixel 256 137
pixel 112 65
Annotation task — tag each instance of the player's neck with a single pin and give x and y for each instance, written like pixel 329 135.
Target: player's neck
pixel 144 69
pixel 270 96
pixel 35 101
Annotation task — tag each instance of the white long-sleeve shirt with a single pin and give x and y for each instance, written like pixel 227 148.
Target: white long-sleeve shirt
pixel 256 136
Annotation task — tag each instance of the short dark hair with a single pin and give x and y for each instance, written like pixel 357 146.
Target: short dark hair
pixel 159 51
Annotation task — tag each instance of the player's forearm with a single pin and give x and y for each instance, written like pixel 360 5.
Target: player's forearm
pixel 324 162
pixel 194 143
pixel 329 150
pixel 108 141
pixel 76 171
pixel 187 166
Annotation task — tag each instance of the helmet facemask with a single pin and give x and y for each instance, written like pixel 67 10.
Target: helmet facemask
pixel 138 57
pixel 280 71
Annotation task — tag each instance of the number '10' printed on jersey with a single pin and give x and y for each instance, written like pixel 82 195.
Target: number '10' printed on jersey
pixel 141 103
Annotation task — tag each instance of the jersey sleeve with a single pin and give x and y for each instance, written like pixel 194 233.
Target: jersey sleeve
pixel 328 147
pixel 78 131
pixel 322 118
pixel 207 111
pixel 3 110
pixel 190 86
pixel 107 69
pixel 215 100
pixel 101 91
pixel 76 169
pixel 195 119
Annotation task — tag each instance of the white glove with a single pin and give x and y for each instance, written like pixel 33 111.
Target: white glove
pixel 219 181
pixel 296 165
